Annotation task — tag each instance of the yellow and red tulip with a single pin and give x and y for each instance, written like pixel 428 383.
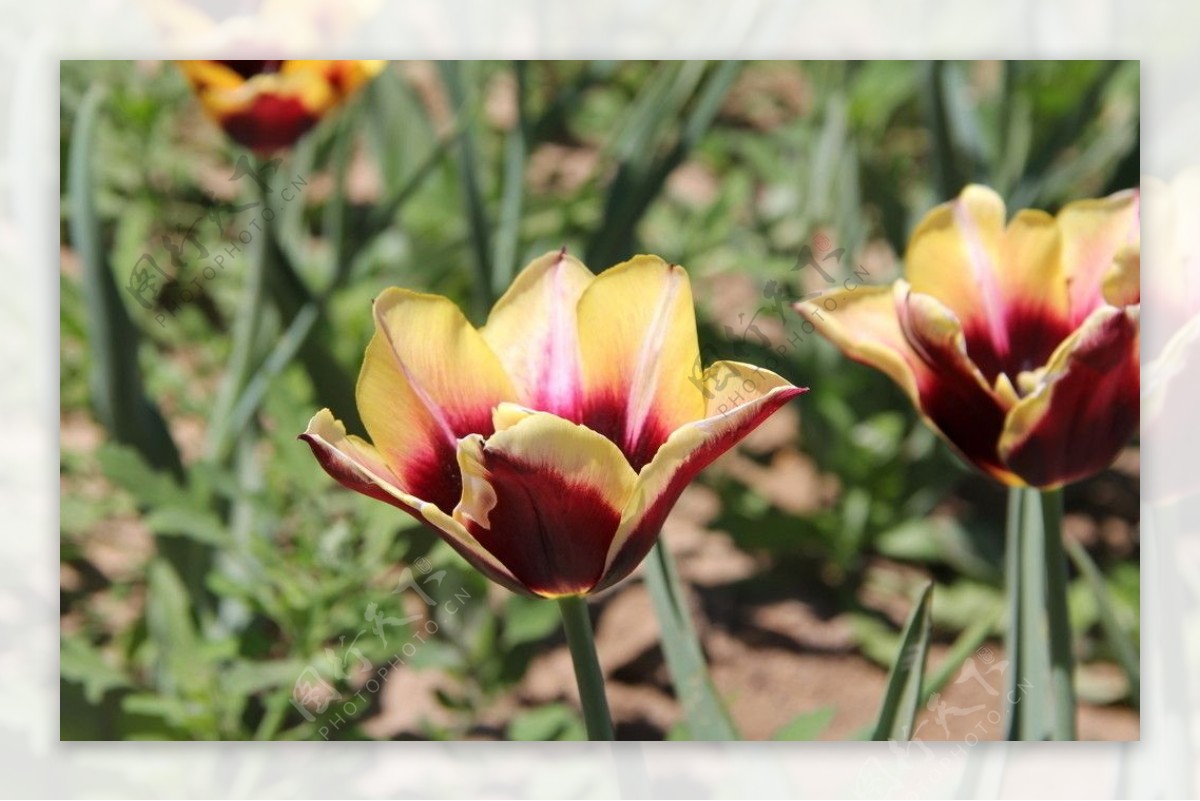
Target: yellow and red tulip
pixel 1018 342
pixel 267 105
pixel 548 446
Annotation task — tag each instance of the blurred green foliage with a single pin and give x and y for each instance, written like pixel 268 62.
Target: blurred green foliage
pixel 450 181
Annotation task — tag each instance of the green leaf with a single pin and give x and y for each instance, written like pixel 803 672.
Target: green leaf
pixel 469 178
pixel 642 167
pixel 940 538
pixel 807 725
pixel 528 620
pixel 118 393
pixel 1114 630
pixel 250 678
pixel 900 701
pixel 126 467
pixel 509 226
pixel 550 722
pixel 203 527
pixel 707 718
pixel 172 630
pixel 964 647
pixel 80 662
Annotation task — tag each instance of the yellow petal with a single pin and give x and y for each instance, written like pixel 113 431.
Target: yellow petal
pixel 690 449
pixel 637 330
pixel 955 256
pixel 507 415
pixel 534 330
pixel 210 75
pixel 344 77
pixel 1032 269
pixel 1123 281
pixel 863 323
pixel 427 379
pixel 545 496
pixel 918 342
pixel 356 465
pixel 1093 233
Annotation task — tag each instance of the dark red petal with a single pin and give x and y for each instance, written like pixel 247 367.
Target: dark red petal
pixel 270 123
pixel 351 476
pixel 1088 407
pixel 248 69
pixel 1034 332
pixel 550 531
pixel 952 391
pixel 606 415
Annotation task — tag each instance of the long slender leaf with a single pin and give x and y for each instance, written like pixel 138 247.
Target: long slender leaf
pixel 968 643
pixel 279 358
pixel 334 386
pixel 707 718
pixel 383 214
pixel 949 175
pixel 1114 631
pixel 336 209
pixel 118 394
pixel 509 228
pixel 903 695
pixel 469 175
pixel 641 176
pixel 1064 135
pixel 246 327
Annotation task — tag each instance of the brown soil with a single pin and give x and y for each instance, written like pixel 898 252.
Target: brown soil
pixel 770 662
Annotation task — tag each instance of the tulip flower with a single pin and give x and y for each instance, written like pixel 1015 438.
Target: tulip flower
pixel 267 105
pixel 547 447
pixel 1018 342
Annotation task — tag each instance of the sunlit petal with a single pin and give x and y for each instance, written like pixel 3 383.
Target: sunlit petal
pixel 690 449
pixel 1093 233
pixel 545 497
pixel 427 380
pixel 637 330
pixel 533 328
pixel 955 255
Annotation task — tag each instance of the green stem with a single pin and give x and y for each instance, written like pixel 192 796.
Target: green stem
pixel 1034 667
pixel 1029 669
pixel 587 667
pixel 1061 666
pixel 1012 595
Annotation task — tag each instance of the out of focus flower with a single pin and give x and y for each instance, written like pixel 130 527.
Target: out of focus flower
pixel 547 447
pixel 1017 341
pixel 252 27
pixel 1171 337
pixel 267 105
